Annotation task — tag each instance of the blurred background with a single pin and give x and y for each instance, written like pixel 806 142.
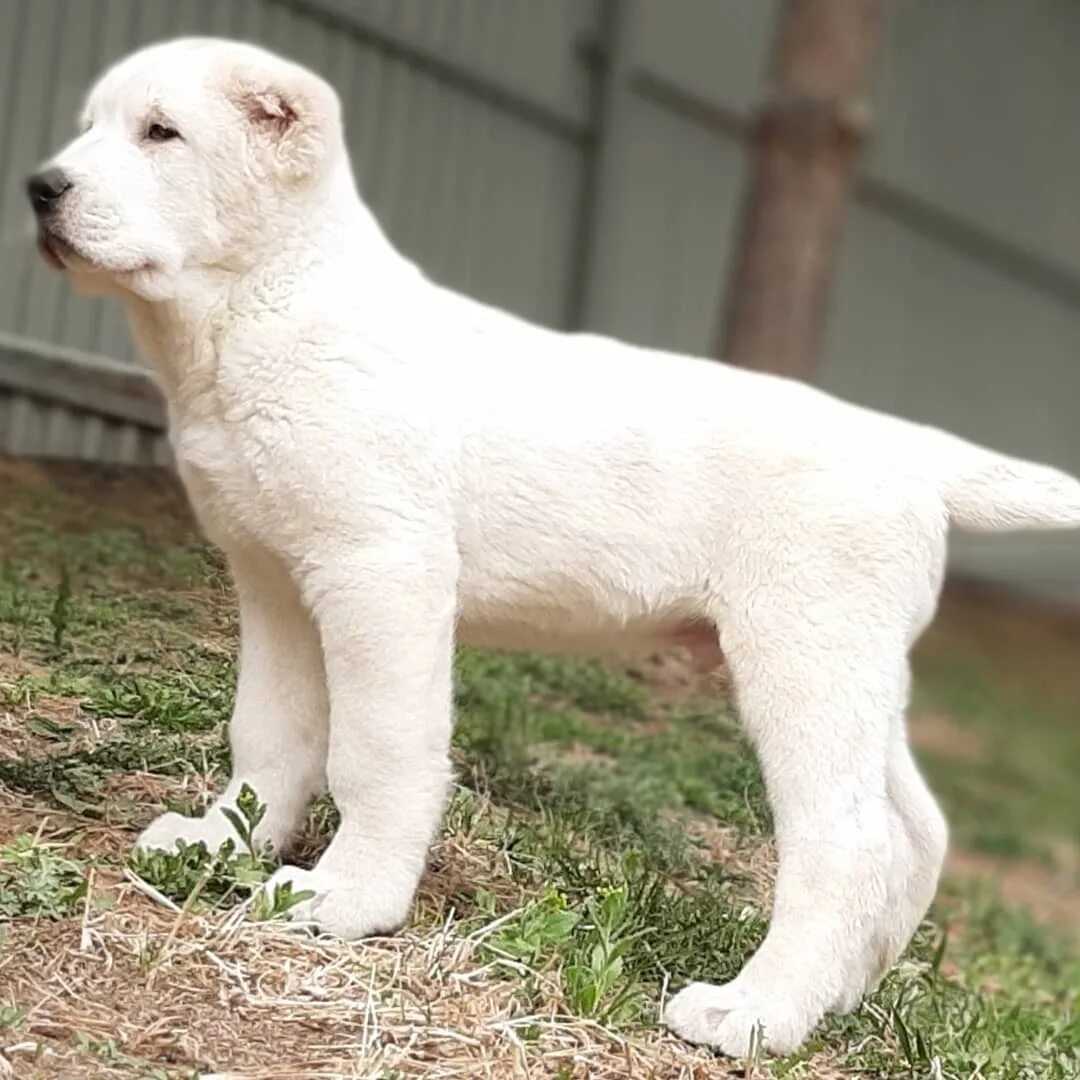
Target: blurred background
pixel 880 198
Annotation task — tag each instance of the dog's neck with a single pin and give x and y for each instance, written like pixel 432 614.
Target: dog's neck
pixel 179 336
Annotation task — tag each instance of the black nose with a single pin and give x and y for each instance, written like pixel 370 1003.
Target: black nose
pixel 46 189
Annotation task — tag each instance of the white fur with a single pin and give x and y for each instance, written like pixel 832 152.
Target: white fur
pixel 390 466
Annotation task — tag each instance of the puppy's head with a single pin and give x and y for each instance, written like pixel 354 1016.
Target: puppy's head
pixel 195 153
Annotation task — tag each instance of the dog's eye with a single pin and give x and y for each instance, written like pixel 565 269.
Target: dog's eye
pixel 161 133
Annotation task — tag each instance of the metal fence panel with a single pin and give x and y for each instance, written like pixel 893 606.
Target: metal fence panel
pixel 715 50
pixel 526 48
pixel 31 427
pixel 667 229
pixel 976 114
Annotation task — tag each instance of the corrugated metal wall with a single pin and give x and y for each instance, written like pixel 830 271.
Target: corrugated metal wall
pixel 581 161
pixel 33 426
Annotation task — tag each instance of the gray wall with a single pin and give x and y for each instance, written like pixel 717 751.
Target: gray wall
pixel 500 153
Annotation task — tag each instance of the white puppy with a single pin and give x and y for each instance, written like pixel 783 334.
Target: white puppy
pixel 391 467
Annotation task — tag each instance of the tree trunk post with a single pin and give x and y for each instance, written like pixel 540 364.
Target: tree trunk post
pixel 805 146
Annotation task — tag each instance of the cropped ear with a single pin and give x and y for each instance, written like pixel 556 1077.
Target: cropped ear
pixel 291 117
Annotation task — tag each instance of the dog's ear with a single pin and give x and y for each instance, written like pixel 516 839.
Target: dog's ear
pixel 291 116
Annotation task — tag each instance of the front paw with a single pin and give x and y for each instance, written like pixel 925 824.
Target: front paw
pixel 168 830
pixel 348 908
pixel 737 1020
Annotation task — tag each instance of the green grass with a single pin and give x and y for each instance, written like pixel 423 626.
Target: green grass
pixel 575 781
pixel 193 876
pixel 523 724
pixel 1019 795
pixel 1007 1008
pixel 38 879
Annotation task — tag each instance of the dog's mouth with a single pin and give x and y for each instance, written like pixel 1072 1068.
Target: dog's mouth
pixel 59 253
pixel 55 250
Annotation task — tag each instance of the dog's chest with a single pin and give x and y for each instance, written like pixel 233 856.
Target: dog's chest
pixel 221 486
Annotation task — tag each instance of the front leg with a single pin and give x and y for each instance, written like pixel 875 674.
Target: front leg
pixel 278 731
pixel 386 618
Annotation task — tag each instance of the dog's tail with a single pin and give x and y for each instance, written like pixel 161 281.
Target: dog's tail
pixel 989 492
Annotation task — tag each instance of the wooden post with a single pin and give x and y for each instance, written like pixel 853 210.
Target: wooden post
pixel 805 146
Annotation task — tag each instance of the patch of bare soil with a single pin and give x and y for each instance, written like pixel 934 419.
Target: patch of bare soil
pixel 1049 893
pixel 151 500
pixel 673 678
pixel 943 735
pixel 1021 643
pixel 754 862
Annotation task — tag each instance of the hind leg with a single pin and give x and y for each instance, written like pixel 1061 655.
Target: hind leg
pixel 919 837
pixel 816 633
pixel 820 722
pixel 926 834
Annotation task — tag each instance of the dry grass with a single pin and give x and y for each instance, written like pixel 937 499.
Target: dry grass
pixel 137 984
